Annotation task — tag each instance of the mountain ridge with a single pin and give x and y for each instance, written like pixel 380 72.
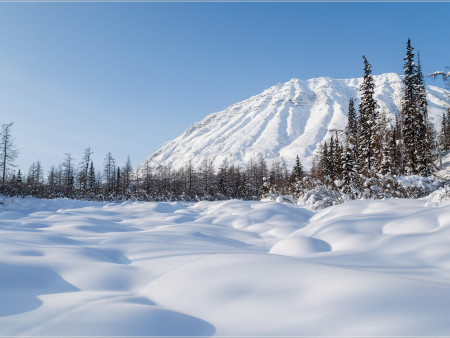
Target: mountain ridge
pixel 285 120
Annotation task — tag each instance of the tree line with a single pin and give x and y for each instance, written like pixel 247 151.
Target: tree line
pixel 361 161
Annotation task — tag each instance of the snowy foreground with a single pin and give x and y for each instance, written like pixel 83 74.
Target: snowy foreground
pixel 224 268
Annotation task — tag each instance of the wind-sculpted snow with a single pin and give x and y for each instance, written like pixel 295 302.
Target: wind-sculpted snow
pixel 224 268
pixel 285 120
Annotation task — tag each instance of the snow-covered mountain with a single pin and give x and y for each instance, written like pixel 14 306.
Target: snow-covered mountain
pixel 285 120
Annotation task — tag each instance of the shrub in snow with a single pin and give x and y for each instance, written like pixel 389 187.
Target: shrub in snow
pixel 320 198
pixel 438 196
pixel 279 198
pixel 269 197
pixel 285 199
pixel 416 186
pixel 380 187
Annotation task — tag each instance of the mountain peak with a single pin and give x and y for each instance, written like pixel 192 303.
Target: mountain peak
pixel 283 121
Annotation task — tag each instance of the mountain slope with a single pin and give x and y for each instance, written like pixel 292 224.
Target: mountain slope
pixel 285 120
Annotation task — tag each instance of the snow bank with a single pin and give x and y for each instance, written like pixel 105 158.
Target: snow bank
pixel 224 268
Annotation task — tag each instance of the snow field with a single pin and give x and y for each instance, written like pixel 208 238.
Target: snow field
pixel 224 268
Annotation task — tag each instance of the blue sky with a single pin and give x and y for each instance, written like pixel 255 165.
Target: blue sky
pixel 126 77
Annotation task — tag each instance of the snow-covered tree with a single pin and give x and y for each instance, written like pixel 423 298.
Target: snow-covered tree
pixel 297 176
pixel 349 172
pixel 385 161
pixel 408 112
pixel 367 124
pixel 425 148
pixel 445 131
pixel 352 125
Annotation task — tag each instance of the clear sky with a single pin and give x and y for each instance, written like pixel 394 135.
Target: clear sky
pixel 126 77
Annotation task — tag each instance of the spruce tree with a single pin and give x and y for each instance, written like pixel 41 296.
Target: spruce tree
pixel 325 161
pixel 349 174
pixel 409 113
pixel 19 183
pixel 425 148
pixel 349 154
pixel 396 147
pixel 332 151
pixel 385 163
pixel 91 179
pixel 352 125
pixel 367 123
pixel 445 131
pixel 297 177
pixel 336 157
pixel 118 183
pixel 297 171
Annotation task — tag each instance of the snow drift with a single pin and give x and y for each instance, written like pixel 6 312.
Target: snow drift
pixel 224 268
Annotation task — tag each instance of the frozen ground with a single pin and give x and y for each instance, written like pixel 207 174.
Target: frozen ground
pixel 224 268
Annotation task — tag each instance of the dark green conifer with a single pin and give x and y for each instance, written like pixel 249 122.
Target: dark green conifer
pixel 367 123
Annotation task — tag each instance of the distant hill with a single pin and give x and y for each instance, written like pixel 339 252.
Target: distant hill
pixel 285 120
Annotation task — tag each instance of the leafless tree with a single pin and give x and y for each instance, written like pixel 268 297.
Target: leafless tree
pixel 8 152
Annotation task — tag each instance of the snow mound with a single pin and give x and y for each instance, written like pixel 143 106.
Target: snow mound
pixel 300 246
pixel 411 225
pixel 228 268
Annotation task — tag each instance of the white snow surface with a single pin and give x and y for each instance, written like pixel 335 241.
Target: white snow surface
pixel 224 268
pixel 286 120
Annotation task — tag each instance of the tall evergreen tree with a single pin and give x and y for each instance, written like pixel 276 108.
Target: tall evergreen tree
pixel 297 176
pixel 397 148
pixel 367 124
pixel 325 161
pixel 118 183
pixel 425 148
pixel 445 131
pixel 337 158
pixel 92 184
pixel 297 171
pixel 349 173
pixel 352 125
pixel 385 161
pixel 409 114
